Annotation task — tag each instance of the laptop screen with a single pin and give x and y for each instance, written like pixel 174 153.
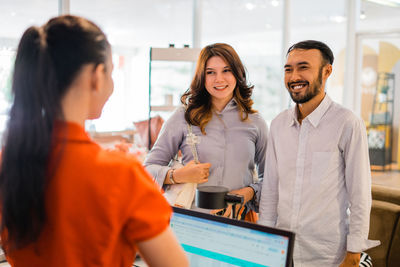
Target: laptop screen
pixel 210 240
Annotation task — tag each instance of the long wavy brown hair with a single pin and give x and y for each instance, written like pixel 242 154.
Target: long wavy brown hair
pixel 198 101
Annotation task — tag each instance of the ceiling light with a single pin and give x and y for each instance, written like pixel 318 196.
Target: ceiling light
pixel 274 3
pixel 391 3
pixel 250 6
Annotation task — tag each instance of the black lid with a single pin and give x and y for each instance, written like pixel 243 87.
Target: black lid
pixel 211 197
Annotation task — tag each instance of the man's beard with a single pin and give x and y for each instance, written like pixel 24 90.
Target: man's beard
pixel 311 92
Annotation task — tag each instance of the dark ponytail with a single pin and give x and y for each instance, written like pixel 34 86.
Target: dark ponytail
pixel 48 59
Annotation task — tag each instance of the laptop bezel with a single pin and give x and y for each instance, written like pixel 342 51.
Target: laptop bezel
pixel 253 226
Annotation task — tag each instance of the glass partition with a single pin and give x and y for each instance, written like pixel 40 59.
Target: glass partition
pixel 16 17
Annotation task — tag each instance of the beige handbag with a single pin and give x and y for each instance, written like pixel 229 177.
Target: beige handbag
pixel 182 195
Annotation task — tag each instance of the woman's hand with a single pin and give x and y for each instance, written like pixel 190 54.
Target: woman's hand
pixel 123 146
pixel 192 173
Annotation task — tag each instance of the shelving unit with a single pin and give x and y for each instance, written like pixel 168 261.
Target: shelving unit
pixel 380 129
pixel 172 54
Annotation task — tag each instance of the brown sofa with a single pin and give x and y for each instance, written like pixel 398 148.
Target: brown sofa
pixel 385 226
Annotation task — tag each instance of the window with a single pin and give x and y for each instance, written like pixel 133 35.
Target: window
pixel 324 21
pixel 132 28
pixel 254 30
pixel 378 17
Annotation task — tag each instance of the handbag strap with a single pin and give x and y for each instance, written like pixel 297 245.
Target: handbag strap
pixel 192 139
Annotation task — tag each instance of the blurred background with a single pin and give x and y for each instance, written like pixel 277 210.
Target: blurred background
pixel 363 34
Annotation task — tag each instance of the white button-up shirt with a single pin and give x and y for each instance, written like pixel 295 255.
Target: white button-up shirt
pixel 318 183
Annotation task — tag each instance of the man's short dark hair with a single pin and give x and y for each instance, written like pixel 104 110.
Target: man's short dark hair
pixel 326 52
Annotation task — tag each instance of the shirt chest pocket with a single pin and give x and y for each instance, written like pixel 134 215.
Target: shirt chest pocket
pixel 324 164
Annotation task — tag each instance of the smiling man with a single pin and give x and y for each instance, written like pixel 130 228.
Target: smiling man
pixel 318 180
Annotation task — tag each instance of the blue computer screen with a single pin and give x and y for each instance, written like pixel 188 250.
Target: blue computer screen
pixel 212 243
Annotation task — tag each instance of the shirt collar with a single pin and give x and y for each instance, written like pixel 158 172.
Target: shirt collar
pixel 293 115
pixel 71 131
pixel 232 104
pixel 315 116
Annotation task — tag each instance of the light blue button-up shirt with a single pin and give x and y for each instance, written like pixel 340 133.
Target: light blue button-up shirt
pixel 316 172
pixel 233 147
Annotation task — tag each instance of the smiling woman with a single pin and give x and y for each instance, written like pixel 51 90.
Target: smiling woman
pixel 220 82
pixel 218 66
pixel 231 137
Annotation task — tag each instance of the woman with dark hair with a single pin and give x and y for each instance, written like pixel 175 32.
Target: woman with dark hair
pixel 64 201
pixel 231 136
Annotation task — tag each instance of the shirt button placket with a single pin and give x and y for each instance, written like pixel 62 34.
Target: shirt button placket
pixel 223 142
pixel 296 204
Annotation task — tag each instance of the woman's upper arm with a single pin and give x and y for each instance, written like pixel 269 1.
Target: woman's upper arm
pixel 261 147
pixel 166 147
pixel 168 141
pixel 163 250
